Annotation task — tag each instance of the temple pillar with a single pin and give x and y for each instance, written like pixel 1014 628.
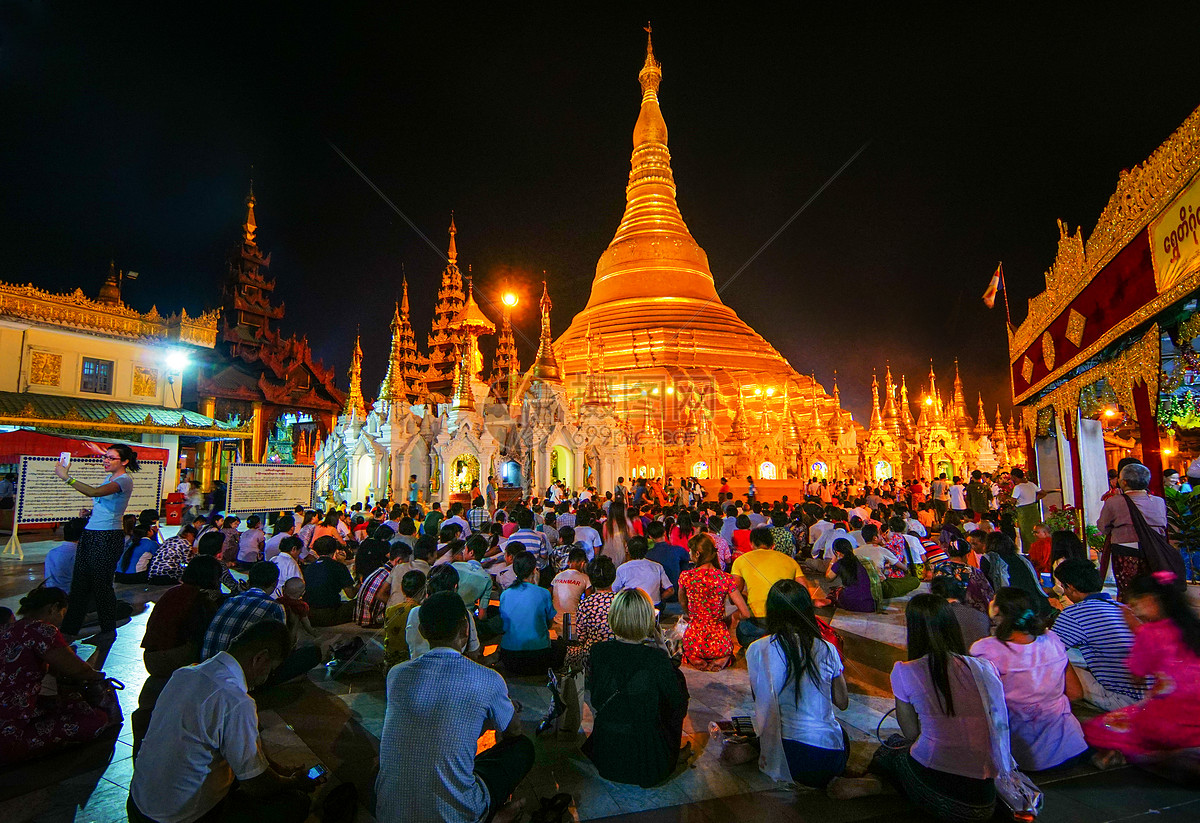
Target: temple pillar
pixel 1072 431
pixel 1148 433
pixel 208 451
pixel 256 428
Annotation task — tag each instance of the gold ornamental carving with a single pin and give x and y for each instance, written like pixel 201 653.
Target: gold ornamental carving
pixel 1075 324
pixel 1027 369
pixel 45 368
pixel 79 312
pixel 145 381
pixel 1048 350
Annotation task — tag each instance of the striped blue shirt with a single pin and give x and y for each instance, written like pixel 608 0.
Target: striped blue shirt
pixel 1096 626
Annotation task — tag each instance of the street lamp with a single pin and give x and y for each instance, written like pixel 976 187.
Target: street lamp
pixel 509 299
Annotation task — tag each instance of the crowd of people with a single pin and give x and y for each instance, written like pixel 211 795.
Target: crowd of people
pixel 615 595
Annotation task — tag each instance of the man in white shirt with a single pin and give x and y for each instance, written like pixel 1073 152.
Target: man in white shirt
pixel 958 495
pixel 640 573
pixel 587 535
pixel 285 527
pixel 819 528
pixel 456 518
pixel 871 550
pixel 823 547
pixel 288 561
pixel 193 753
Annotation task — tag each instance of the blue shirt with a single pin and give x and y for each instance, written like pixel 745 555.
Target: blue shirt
pixel 60 566
pixel 527 612
pixel 144 546
pixel 108 510
pixel 672 558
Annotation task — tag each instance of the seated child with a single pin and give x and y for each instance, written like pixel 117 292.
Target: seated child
pixel 395 619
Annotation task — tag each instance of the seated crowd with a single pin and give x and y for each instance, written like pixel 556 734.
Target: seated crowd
pixel 613 596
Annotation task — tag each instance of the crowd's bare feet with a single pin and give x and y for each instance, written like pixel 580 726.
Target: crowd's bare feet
pixel 1108 759
pixel 846 788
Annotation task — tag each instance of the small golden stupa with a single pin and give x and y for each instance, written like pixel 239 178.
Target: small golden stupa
pixel 655 310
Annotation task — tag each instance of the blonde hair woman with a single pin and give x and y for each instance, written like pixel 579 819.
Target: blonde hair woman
pixel 639 697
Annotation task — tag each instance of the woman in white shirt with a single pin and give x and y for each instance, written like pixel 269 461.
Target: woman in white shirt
pixel 797 680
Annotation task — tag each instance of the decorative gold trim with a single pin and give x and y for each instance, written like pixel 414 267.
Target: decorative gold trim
pixel 1048 350
pixel 1141 194
pixel 1075 325
pixel 1027 369
pixel 145 381
pixel 79 312
pixel 45 368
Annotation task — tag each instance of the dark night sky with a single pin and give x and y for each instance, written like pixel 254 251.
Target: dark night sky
pixel 129 131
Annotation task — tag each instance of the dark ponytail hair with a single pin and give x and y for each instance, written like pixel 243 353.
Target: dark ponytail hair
pixel 933 633
pixel 127 455
pixel 40 598
pixel 1017 613
pixel 792 624
pixel 848 565
pixel 1164 586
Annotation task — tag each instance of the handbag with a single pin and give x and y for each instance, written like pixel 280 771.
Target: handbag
pixel 1159 553
pixel 102 694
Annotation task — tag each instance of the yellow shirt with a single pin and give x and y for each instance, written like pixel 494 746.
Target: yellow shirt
pixel 760 569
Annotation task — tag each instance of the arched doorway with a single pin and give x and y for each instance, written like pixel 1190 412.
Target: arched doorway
pixel 819 470
pixel 883 470
pixel 561 466
pixel 767 471
pixel 510 473
pixel 700 470
pixel 464 474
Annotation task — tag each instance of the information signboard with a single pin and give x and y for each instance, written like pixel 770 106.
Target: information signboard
pixel 267 487
pixel 43 498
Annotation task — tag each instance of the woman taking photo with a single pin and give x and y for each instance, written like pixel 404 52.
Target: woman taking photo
pixel 796 678
pixel 102 542
pixel 944 760
pixel 639 698
pixel 707 643
pixel 1039 683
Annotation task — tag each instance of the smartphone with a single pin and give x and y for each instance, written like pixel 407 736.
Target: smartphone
pixel 317 773
pixel 1047 580
pixel 64 458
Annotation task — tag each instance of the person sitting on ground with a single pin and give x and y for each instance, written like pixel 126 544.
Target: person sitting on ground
pixel 474 583
pixel 285 527
pixel 639 572
pixel 756 572
pixel 175 633
pixel 210 544
pixel 328 528
pixel 591 619
pixel 896 581
pixel 1155 732
pixel 395 620
pixel 287 558
pixel 568 587
pixel 166 568
pixel 974 624
pixel 527 611
pixel 443 778
pixel 203 760
pixel 441 578
pixel 978 588
pixel 707 642
pixel 1005 566
pixel 671 557
pixel 243 610
pixel 639 697
pixel 406 561
pixel 60 560
pixel 232 536
pixel 251 543
pixel 1098 634
pixel 796 679
pixel 300 627
pixel 1040 550
pixel 33 724
pixel 861 588
pixel 373 594
pixel 134 563
pixel 740 536
pixel 327 580
pixel 784 540
pixel 942 760
pixel 1039 683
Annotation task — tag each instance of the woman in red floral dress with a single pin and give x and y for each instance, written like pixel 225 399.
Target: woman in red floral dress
pixel 33 725
pixel 707 643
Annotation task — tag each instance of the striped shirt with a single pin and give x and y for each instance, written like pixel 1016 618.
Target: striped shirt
pixel 369 608
pixel 237 613
pixel 534 542
pixel 1096 626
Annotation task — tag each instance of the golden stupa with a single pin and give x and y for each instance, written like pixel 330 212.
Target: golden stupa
pixel 655 313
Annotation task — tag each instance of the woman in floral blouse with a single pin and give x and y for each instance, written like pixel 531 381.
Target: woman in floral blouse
pixel 707 643
pixel 979 589
pixel 591 620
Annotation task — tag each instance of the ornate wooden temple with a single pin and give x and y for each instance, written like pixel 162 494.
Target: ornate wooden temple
pixel 254 374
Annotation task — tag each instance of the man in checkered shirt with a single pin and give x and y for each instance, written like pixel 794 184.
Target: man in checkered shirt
pixel 373 594
pixel 244 610
pixel 428 769
pixel 478 515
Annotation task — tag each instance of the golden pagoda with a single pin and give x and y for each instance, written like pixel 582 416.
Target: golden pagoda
pixel 654 308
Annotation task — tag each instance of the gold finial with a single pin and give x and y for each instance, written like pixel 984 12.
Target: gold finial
pixel 250 227
pixel 651 74
pixel 452 254
pixel 404 293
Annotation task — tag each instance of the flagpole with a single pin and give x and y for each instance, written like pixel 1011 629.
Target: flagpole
pixel 1004 290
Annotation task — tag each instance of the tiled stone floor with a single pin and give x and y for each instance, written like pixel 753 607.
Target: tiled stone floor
pixel 337 722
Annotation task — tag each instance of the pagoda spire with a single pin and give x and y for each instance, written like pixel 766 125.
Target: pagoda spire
pixel 464 398
pixel 402 376
pixel 250 226
pixel 789 423
pixel 505 363
pixel 981 425
pixel 764 422
pixel 906 418
pixel 110 291
pixel 958 404
pixel 998 433
pixel 356 407
pixel 816 407
pixel 837 395
pixel 452 252
pixel 738 431
pixel 444 339
pixel 891 417
pixel 876 416
pixel 545 365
